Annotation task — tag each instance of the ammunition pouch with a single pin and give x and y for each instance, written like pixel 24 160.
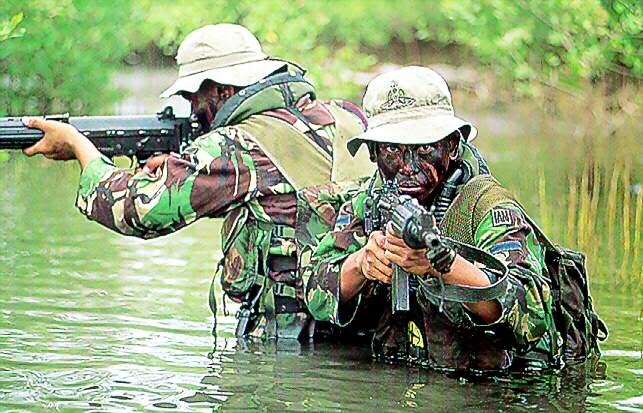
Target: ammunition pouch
pixel 255 253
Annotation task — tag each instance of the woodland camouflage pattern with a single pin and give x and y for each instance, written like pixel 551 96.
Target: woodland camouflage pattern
pixel 222 174
pixel 525 332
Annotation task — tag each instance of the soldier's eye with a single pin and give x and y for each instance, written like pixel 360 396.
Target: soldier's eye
pixel 425 149
pixel 392 148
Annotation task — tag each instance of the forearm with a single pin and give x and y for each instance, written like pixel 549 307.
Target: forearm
pixel 351 278
pixel 84 149
pixel 465 273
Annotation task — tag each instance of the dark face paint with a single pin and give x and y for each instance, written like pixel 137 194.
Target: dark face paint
pixel 206 102
pixel 418 169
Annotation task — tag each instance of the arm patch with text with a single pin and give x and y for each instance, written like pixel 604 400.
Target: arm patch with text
pixel 501 216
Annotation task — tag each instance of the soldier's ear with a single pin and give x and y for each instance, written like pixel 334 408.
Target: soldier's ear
pixel 372 151
pixel 454 144
pixel 226 91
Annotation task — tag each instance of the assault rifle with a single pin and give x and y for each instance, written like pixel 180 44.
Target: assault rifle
pixel 416 226
pixel 139 136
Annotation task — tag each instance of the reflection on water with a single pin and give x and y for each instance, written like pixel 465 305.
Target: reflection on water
pixel 94 321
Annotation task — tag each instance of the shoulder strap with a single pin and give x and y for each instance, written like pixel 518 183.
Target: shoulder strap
pixel 345 166
pixel 302 162
pixel 475 199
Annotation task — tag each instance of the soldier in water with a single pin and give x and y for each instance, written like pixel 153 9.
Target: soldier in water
pixel 462 314
pixel 266 136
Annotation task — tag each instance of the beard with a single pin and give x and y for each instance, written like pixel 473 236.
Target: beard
pixel 204 115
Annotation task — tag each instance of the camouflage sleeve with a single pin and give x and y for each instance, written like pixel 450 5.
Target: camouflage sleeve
pixel 218 172
pixel 527 305
pixel 322 273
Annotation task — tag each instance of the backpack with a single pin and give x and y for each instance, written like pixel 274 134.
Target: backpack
pixel 575 318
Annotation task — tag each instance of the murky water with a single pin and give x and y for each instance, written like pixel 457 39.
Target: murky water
pixel 90 320
pixel 93 321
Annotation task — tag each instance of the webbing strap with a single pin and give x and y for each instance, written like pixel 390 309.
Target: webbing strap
pixel 432 289
pixel 283 231
pixel 277 288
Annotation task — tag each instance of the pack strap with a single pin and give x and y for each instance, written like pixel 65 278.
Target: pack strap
pixel 283 231
pixel 277 288
pixel 433 290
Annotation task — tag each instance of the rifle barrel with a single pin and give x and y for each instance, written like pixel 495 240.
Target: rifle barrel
pixel 141 135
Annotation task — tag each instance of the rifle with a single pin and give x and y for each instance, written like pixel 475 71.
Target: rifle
pixel 139 136
pixel 416 226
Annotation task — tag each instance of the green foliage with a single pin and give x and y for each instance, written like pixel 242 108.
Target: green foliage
pixel 70 48
pixel 9 28
pixel 556 43
pixel 65 57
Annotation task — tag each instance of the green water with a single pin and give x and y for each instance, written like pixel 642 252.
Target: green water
pixel 93 321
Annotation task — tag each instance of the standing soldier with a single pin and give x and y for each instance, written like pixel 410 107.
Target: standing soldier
pixel 267 136
pixel 462 315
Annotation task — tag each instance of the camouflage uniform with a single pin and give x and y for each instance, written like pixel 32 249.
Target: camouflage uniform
pixel 227 173
pixel 453 338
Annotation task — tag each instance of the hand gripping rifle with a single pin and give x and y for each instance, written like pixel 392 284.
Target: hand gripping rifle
pixel 416 226
pixel 139 136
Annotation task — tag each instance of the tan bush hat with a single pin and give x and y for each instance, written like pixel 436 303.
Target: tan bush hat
pixel 225 53
pixel 411 105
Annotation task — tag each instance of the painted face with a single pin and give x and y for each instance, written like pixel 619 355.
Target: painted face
pixel 418 169
pixel 206 102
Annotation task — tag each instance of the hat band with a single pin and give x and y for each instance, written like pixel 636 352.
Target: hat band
pixel 218 62
pixel 397 116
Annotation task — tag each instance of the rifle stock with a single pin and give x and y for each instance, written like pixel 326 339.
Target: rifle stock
pixel 140 136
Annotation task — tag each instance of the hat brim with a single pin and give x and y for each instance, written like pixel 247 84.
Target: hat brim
pixel 420 131
pixel 240 75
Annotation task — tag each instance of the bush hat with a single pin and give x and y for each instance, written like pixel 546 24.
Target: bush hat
pixel 411 105
pixel 224 53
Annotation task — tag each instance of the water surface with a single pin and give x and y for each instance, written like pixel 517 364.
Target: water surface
pixel 91 320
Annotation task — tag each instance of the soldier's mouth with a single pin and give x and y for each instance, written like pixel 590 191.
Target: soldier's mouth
pixel 411 189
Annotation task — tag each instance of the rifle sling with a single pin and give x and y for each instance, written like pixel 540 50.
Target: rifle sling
pixel 432 289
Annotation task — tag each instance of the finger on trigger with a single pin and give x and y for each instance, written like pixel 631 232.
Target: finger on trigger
pixel 395 259
pixel 380 255
pixel 393 239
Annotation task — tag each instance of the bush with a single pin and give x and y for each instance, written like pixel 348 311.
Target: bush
pixel 71 47
pixel 65 57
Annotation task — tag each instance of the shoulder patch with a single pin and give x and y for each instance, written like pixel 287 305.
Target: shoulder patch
pixel 501 216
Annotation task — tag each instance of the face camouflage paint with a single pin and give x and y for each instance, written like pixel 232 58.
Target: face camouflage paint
pixel 418 169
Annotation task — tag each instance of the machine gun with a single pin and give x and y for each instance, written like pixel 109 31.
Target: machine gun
pixel 416 226
pixel 139 136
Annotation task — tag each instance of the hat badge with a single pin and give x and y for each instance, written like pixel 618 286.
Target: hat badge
pixel 396 98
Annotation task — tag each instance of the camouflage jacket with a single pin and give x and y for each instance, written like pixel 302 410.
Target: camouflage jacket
pixel 227 173
pixel 452 339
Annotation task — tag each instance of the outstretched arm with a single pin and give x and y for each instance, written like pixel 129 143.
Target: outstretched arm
pixel 218 172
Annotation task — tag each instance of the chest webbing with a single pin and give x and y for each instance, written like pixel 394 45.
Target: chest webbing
pixel 474 200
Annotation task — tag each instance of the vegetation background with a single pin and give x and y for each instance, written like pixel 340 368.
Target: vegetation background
pixel 92 320
pixel 561 76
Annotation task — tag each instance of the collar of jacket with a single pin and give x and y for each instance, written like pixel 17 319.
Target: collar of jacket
pixel 279 91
